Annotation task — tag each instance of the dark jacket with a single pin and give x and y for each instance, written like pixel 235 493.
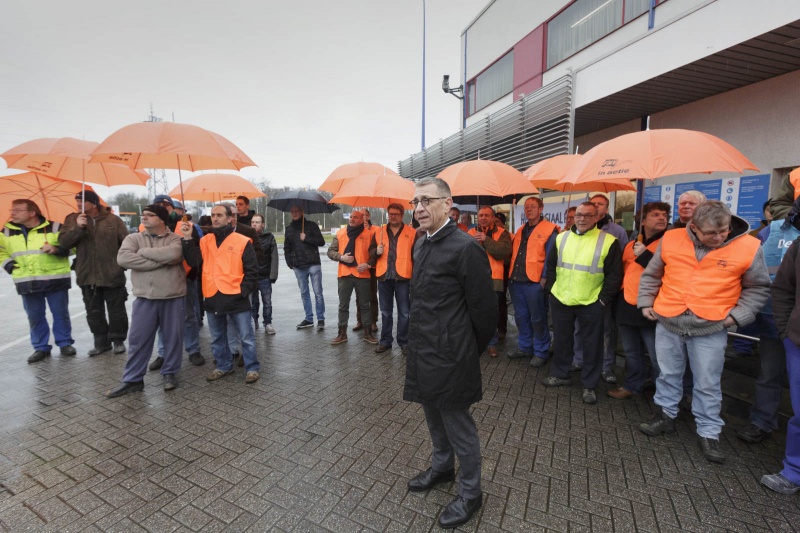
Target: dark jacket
pixel 785 295
pixel 245 219
pixel 268 269
pixel 453 316
pixel 221 303
pixel 250 233
pixel 96 248
pixel 302 254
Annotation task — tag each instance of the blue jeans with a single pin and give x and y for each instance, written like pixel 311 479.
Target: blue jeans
pixel 706 355
pixel 265 290
pixel 191 328
pixel 399 290
pixel 772 358
pixel 35 308
pixel 791 463
pixel 530 315
pixel 315 273
pixel 635 342
pixel 218 326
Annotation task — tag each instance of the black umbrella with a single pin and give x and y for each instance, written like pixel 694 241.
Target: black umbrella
pixel 311 202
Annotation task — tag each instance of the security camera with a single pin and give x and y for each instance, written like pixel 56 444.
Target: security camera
pixel 446 83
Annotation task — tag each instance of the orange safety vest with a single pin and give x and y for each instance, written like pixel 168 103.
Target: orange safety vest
pixel 405 243
pixel 794 179
pixel 362 252
pixel 223 270
pixel 535 251
pixel 463 227
pixel 709 288
pixel 497 264
pixel 633 271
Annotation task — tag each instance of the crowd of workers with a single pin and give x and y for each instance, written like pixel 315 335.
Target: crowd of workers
pixel 670 291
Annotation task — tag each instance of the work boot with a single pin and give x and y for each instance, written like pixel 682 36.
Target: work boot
pixel 369 337
pixel 358 326
pixel 660 423
pixel 101 345
pixel 342 337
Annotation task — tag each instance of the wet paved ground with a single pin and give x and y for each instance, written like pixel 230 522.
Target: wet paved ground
pixel 324 442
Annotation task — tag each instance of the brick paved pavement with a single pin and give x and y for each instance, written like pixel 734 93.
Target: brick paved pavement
pixel 324 442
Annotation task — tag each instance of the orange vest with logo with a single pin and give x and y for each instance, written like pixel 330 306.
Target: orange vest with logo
pixel 633 271
pixel 709 288
pixel 361 255
pixel 405 242
pixel 497 264
pixel 223 270
pixel 535 251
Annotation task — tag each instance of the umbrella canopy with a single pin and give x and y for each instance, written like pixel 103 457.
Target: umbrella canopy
pixel 486 178
pixel 655 154
pixel 170 145
pixel 351 170
pixel 311 202
pixel 68 159
pixel 55 197
pixel 216 187
pixel 375 190
pixel 547 173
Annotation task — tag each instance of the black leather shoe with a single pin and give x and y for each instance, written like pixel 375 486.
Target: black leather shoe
pixel 382 348
pixel 69 351
pixel 660 423
pixel 170 382
pixel 157 363
pixel 427 479
pixel 711 451
pixel 125 388
pixel 37 356
pixel 459 511
pixel 751 433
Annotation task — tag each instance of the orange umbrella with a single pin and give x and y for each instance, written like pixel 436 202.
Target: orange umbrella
pixel 485 178
pixel 216 187
pixel 375 190
pixel 68 159
pixel 55 197
pixel 547 173
pixel 655 154
pixel 170 145
pixel 351 170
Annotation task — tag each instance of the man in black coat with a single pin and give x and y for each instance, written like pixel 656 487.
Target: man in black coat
pixel 453 316
pixel 301 251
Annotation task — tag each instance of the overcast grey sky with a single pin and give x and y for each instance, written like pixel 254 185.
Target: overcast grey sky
pixel 300 86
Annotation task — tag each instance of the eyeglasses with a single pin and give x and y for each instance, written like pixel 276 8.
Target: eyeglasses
pixel 396 214
pixel 425 201
pixel 19 210
pixel 584 215
pixel 711 233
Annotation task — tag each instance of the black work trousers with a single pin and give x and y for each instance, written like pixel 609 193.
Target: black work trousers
pixel 99 299
pixel 590 319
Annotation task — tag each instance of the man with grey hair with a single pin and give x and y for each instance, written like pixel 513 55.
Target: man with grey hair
pixel 687 203
pixel 701 280
pixel 453 316
pixel 354 248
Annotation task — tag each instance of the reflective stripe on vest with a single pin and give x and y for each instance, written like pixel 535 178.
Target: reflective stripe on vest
pixel 497 264
pixel 709 288
pixel 633 271
pixel 535 251
pixel 579 269
pixel 361 252
pixel 223 270
pixel 405 243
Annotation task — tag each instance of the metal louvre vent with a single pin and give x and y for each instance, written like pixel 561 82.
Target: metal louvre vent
pixel 529 130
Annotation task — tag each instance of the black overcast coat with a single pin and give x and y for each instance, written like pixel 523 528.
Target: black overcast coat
pixel 453 316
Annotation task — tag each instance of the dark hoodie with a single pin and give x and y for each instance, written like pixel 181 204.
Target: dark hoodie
pixel 220 303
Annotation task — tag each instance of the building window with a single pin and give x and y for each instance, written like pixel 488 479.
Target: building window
pixel 491 84
pixel 587 21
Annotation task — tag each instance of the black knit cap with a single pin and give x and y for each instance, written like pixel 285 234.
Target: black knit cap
pixel 160 211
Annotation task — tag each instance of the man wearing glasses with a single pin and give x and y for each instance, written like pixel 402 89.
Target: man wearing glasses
pixel 453 316
pixel 584 274
pixel 30 252
pixel 394 267
pixel 701 280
